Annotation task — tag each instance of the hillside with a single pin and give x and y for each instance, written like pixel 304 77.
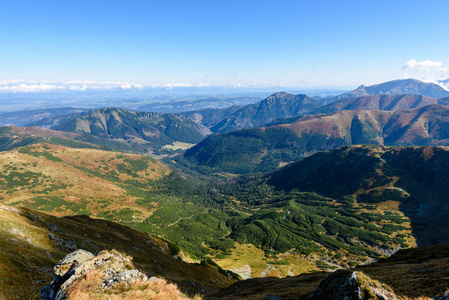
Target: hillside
pixel 267 148
pixel 64 180
pixel 415 273
pixel 341 208
pixel 381 102
pixel 395 87
pixel 154 130
pixel 33 242
pixel 204 219
pixel 414 176
pixel 134 190
pixel 278 105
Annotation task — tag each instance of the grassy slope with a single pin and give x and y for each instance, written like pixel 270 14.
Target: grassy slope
pixel 414 177
pixel 142 193
pixel 134 190
pixel 64 180
pixel 327 231
pixel 33 242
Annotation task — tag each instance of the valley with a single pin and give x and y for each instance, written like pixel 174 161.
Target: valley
pixel 286 187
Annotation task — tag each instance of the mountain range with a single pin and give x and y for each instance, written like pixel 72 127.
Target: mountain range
pixel 395 87
pixel 278 105
pixel 381 102
pixel 152 130
pixel 266 148
pixel 392 95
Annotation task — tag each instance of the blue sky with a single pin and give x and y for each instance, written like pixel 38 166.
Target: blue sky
pixel 214 42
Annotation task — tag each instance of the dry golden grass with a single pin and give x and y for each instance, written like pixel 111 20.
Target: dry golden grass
pixel 71 177
pixel 89 287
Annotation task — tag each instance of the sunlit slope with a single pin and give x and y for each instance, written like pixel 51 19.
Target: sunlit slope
pixel 64 180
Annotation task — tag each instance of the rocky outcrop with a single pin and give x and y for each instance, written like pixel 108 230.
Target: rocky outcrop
pixel 112 267
pixel 347 285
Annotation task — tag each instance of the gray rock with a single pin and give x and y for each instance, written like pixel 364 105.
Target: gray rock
pixel 74 258
pixel 347 285
pixel 111 265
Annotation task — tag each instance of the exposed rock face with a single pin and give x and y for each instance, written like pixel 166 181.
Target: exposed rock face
pixel 347 285
pixel 112 266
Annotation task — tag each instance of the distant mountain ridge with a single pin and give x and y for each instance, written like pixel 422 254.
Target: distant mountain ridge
pixel 394 87
pixel 399 94
pixel 265 148
pixel 210 117
pixel 154 129
pixel 381 102
pixel 278 105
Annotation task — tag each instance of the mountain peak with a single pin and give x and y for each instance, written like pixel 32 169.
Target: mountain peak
pixel 279 94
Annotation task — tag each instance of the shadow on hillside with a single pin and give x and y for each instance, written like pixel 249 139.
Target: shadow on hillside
pixel 430 224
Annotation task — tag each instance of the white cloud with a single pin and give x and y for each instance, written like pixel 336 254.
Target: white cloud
pixel 28 88
pixel 427 70
pixel 22 86
pixel 128 86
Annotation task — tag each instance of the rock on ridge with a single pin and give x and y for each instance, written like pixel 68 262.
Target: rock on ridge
pixel 112 266
pixel 347 285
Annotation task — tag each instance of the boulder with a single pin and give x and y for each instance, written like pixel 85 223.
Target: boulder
pixel 351 285
pixel 112 267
